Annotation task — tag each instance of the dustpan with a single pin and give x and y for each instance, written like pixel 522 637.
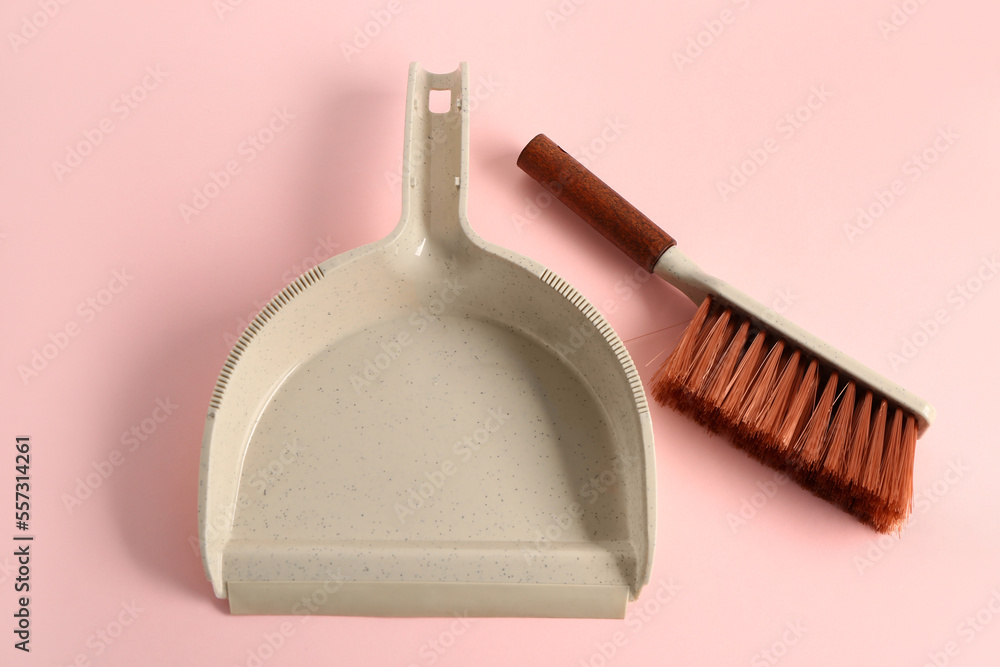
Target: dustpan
pixel 428 425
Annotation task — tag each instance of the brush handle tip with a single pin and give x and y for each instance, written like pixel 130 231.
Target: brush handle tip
pixel 593 200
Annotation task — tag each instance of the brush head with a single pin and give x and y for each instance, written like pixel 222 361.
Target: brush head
pixel 794 412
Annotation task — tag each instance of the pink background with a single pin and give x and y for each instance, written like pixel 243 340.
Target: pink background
pixel 797 579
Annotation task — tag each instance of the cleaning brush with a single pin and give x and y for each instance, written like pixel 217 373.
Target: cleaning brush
pixel 779 393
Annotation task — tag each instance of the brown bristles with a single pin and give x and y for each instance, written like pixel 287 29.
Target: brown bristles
pixel 893 452
pixel 760 389
pixel 859 440
pixel 745 372
pixel 835 460
pixel 711 347
pixel 873 457
pixel 799 409
pixel 721 376
pixel 785 408
pixel 809 448
pixel 768 448
pixel 891 460
pixel 903 489
pixel 669 378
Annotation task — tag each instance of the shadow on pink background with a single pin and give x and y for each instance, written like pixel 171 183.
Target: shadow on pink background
pixel 121 306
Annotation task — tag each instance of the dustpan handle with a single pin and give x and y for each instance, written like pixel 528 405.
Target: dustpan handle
pixel 594 201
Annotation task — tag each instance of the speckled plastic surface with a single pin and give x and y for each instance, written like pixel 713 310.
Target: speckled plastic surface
pixel 429 425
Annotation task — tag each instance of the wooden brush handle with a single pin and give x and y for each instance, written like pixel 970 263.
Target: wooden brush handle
pixel 594 201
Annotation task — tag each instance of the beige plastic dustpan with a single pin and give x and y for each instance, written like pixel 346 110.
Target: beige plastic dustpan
pixel 428 425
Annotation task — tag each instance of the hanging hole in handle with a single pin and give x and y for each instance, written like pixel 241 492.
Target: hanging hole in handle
pixel 439 101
